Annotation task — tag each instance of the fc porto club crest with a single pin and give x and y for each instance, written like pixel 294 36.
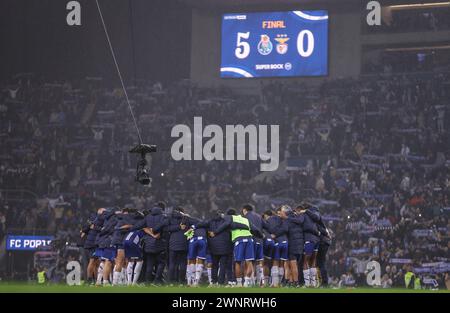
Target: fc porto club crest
pixel 282 46
pixel 265 46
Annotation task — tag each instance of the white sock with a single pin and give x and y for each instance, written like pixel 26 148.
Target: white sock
pixel 100 273
pixel 107 282
pixel 275 276
pixel 137 272
pixel 259 275
pixel 313 276
pixel 209 274
pixel 266 280
pixel 116 278
pixel 130 272
pixel 123 277
pixel 281 272
pixel 247 281
pixel 306 277
pixel 198 273
pixel 239 281
pixel 190 274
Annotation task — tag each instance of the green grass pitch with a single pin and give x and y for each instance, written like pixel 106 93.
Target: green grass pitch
pixel 34 288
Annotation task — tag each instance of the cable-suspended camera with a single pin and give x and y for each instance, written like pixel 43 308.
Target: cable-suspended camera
pixel 142 169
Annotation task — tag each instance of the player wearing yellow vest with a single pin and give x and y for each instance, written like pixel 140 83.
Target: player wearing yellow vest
pixel 41 277
pixel 417 284
pixel 243 245
pixel 409 276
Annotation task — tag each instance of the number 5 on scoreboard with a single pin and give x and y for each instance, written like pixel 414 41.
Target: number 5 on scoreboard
pixel 242 47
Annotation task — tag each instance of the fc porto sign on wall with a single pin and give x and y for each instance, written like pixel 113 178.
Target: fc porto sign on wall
pixel 29 243
pixel 270 44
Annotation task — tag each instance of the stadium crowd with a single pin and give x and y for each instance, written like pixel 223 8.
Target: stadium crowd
pixel 371 153
pixel 413 20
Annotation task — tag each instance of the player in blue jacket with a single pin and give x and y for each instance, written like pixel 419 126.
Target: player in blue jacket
pixel 312 238
pixel 324 243
pixel 105 243
pixel 268 247
pixel 98 253
pixel 278 229
pixel 89 233
pixel 123 218
pixel 178 246
pixel 221 250
pixel 155 245
pixel 295 221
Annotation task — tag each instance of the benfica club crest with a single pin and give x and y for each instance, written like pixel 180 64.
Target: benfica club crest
pixel 282 46
pixel 265 46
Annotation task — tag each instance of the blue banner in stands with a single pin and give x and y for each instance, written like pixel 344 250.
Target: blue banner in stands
pixel 29 243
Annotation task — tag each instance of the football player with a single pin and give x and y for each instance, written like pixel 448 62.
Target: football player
pixel 268 247
pixel 90 232
pixel 132 246
pixel 257 223
pixel 197 247
pixel 311 235
pixel 244 250
pixel 278 229
pixel 108 250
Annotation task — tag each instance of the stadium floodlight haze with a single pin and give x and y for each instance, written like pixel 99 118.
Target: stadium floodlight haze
pixel 260 148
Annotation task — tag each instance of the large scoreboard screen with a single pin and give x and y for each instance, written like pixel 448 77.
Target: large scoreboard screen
pixel 275 44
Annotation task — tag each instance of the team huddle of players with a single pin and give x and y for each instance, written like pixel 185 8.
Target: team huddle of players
pixel 282 248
